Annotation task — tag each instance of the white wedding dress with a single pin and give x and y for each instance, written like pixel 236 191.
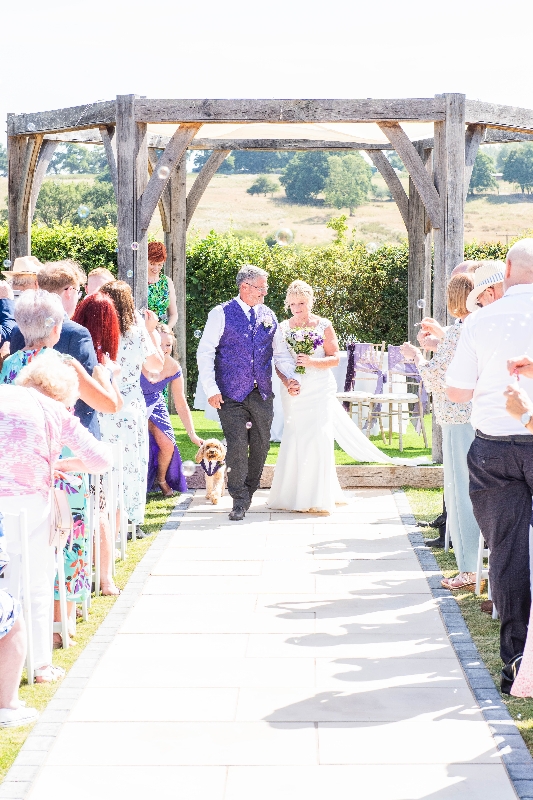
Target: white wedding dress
pixel 305 477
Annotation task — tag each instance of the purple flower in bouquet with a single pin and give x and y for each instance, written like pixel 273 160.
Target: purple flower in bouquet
pixel 303 341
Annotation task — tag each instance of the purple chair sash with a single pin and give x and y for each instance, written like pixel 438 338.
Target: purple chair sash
pixel 360 359
pixel 399 366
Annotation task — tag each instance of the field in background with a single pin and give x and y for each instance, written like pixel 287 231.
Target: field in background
pixel 226 204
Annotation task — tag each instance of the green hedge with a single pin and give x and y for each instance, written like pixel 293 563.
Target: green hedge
pixel 364 295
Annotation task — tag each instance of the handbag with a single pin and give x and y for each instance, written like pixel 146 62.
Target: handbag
pixel 61 520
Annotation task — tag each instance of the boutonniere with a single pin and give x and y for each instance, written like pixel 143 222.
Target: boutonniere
pixel 267 321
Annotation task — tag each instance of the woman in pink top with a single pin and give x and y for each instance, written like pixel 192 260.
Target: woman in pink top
pixel 26 412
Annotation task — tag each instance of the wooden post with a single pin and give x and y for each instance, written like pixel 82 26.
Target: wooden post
pixel 449 175
pixel 23 153
pixel 175 241
pixel 132 177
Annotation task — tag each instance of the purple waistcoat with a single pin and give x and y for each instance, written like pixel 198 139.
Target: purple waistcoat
pixel 244 356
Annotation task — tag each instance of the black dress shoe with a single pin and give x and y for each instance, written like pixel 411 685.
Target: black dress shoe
pixel 139 534
pixel 509 673
pixel 237 513
pixel 437 523
pixel 441 541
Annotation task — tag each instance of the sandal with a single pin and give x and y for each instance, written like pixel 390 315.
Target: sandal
pixel 48 674
pixel 460 581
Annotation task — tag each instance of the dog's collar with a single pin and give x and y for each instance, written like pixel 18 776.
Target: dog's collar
pixel 209 469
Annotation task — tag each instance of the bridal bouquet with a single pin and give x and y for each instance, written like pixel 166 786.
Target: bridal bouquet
pixel 305 341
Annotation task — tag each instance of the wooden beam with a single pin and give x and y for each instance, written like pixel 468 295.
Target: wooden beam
pixel 513 117
pixel 132 169
pixel 109 141
pixel 164 200
pixel 393 183
pixel 281 111
pixel 48 149
pixel 166 164
pixel 201 183
pixel 91 136
pixel 176 257
pixel 63 119
pixel 23 154
pixel 416 169
pixel 473 138
pixel 282 144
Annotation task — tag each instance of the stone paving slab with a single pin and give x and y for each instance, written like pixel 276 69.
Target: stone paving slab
pixel 285 656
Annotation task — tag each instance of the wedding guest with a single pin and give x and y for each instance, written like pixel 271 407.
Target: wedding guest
pixel 96 279
pixel 64 279
pixel 500 460
pixel 164 462
pixel 161 291
pixel 7 309
pixel 12 653
pixel 138 348
pixel 33 429
pixel 488 283
pixel 457 435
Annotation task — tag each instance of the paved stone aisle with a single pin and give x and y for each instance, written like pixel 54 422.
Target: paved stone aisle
pixel 288 656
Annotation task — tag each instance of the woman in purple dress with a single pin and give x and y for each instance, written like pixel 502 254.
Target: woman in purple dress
pixel 164 464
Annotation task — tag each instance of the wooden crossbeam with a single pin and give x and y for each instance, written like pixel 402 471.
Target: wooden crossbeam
pixel 283 144
pixel 159 178
pixel 63 119
pixel 46 152
pixel 201 183
pixel 281 111
pixel 512 117
pixel 416 169
pixel 393 182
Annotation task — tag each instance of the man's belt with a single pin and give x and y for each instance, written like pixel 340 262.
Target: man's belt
pixel 519 438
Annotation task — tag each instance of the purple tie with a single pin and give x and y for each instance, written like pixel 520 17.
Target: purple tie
pixel 252 320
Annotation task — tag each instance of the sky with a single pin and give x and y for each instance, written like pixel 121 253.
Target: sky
pixel 56 54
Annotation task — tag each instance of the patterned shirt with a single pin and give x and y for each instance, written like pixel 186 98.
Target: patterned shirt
pixel 25 451
pixel 158 297
pixel 433 374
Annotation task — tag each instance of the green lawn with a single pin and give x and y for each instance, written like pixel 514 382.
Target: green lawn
pixel 426 505
pixel 413 444
pixel 38 695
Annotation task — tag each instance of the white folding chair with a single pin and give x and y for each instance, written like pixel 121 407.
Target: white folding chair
pixel 17 525
pixel 116 501
pixel 482 573
pixel 62 626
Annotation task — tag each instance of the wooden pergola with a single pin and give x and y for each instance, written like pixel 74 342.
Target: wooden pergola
pixel 439 170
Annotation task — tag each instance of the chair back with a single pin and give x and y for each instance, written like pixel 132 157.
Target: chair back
pixel 365 362
pixel 16 526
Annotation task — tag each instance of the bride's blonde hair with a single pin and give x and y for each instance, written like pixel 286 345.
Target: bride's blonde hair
pixel 300 289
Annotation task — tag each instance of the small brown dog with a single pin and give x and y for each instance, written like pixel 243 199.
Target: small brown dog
pixel 211 456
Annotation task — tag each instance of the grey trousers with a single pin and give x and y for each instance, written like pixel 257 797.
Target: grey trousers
pixel 247 446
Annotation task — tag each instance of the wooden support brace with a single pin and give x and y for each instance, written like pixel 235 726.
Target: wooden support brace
pixel 164 200
pixel 473 138
pixel 33 147
pixel 393 182
pixel 416 169
pixel 48 149
pixel 107 132
pixel 23 153
pixel 166 164
pixel 201 183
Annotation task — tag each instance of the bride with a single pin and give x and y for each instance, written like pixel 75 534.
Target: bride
pixel 305 477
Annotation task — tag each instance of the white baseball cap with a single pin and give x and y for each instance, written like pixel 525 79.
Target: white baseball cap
pixel 485 276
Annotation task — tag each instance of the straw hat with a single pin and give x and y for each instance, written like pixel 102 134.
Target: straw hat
pixel 23 265
pixel 485 276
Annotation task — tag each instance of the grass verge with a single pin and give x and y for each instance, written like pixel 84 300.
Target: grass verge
pixel 426 504
pixel 413 444
pixel 38 695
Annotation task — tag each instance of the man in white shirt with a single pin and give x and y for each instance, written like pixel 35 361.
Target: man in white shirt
pixel 500 460
pixel 241 338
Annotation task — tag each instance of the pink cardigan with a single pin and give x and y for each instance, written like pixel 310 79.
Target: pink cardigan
pixel 24 450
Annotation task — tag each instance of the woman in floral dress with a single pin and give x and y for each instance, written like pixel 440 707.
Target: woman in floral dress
pixel 138 348
pixel 161 292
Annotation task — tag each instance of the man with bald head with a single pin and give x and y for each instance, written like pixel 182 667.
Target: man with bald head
pixel 500 460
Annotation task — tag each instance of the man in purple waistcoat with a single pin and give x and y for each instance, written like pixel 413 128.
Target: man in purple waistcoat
pixel 241 338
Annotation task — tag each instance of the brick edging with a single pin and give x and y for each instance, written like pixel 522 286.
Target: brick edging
pixel 33 753
pixel 511 746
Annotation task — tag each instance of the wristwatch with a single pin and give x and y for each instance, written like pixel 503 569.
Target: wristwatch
pixel 525 419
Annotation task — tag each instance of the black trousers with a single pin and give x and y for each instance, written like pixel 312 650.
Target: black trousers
pixel 501 487
pixel 247 446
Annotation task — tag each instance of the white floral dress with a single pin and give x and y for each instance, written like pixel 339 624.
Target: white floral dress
pixel 130 425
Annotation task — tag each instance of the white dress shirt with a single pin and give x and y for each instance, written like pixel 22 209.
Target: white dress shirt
pixel 491 336
pixel 214 328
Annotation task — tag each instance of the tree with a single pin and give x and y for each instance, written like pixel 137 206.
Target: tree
pixel 348 182
pixel 483 173
pixel 202 156
pixel 78 159
pixel 263 185
pixel 83 204
pixel 259 162
pixel 3 161
pixel 518 167
pixel 305 176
